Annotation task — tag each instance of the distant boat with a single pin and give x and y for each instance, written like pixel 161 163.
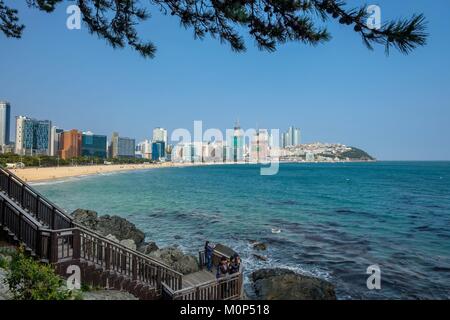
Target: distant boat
pixel 276 230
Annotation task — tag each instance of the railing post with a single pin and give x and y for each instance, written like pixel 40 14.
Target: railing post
pixel 19 235
pixel 53 218
pixel 38 249
pixel 37 207
pixel 158 277
pixel 134 268
pixel 22 196
pixel 8 189
pixel 53 247
pixel 107 257
pixel 180 282
pixel 3 213
pixel 76 244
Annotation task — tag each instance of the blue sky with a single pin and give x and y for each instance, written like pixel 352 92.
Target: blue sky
pixel 396 107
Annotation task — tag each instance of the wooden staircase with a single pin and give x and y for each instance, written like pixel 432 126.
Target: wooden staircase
pixel 50 235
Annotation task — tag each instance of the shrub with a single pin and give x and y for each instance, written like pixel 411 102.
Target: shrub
pixel 30 280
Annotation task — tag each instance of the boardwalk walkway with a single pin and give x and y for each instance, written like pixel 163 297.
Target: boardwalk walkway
pixel 50 235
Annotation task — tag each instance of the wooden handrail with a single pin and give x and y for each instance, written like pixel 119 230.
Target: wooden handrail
pixel 38 195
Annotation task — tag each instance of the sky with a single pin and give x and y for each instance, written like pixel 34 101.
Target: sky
pixel 395 108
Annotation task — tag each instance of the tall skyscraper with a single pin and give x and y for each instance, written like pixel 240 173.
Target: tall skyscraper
pixel 144 149
pixel 238 143
pixel 32 136
pixel 158 151
pixel 55 141
pixel 260 146
pixel 93 145
pixel 121 147
pixel 285 140
pixel 160 135
pixel 291 138
pixel 5 123
pixel 297 137
pixel 70 144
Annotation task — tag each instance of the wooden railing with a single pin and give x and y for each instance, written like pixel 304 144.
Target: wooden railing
pixel 52 235
pixel 227 288
pixel 32 201
pixel 82 244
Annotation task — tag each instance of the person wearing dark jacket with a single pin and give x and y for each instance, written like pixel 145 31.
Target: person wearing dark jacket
pixel 208 255
pixel 235 264
pixel 222 268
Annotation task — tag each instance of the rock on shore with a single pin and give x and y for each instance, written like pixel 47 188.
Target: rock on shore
pixel 126 233
pixel 106 225
pixel 284 284
pixel 176 259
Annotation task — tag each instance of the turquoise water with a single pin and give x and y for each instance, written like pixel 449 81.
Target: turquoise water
pixel 335 219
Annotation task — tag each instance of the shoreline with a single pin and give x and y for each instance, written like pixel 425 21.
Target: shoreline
pixel 51 174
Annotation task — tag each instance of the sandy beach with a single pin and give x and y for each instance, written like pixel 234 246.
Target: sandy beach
pixel 54 173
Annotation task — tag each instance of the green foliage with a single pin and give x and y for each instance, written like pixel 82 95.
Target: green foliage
pixel 30 280
pixel 4 263
pixel 46 161
pixel 356 153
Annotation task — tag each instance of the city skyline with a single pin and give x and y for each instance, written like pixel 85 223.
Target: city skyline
pixel 395 107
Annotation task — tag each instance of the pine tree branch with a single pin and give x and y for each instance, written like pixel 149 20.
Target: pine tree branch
pixel 270 23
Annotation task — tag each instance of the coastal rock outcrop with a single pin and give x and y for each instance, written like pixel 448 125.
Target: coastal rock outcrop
pixel 121 230
pixel 261 246
pixel 284 284
pixel 176 259
pixel 148 248
pixel 129 243
pixel 119 227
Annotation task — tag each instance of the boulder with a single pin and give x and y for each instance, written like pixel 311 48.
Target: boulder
pixel 119 227
pixel 87 218
pixel 284 284
pixel 260 246
pixel 260 257
pixel 176 259
pixel 129 243
pixel 112 238
pixel 148 248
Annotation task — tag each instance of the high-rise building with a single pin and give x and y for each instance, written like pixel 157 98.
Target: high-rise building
pixel 238 143
pixel 55 141
pixel 144 149
pixel 296 140
pixel 160 135
pixel 260 146
pixel 291 138
pixel 70 146
pixel 121 147
pixel 32 136
pixel 93 145
pixel 158 151
pixel 5 123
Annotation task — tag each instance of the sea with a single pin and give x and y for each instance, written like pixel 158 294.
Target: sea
pixel 335 221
